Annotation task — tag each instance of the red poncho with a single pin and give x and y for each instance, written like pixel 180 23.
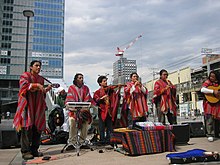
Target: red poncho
pixel 167 96
pixel 211 108
pixel 136 100
pixel 78 94
pixel 109 107
pixel 31 105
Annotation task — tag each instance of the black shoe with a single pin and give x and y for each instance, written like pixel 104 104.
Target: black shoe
pixel 84 147
pixel 70 147
pixel 37 154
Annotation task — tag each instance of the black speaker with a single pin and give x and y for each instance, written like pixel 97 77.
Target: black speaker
pixel 197 129
pixel 9 138
pixel 182 133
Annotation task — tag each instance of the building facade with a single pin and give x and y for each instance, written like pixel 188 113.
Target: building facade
pixel 188 83
pixel 122 69
pixel 46 41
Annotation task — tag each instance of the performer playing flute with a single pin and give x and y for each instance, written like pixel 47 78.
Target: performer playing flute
pixel 165 98
pixel 136 100
pixel 104 98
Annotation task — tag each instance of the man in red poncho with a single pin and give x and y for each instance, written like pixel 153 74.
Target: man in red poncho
pixel 78 92
pixel 165 98
pixel 30 115
pixel 105 98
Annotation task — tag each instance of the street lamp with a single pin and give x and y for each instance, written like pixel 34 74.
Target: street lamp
pixel 208 53
pixel 28 14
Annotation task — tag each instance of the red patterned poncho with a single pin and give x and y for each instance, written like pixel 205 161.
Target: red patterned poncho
pixel 136 100
pixel 107 107
pixel 78 94
pixel 211 108
pixel 31 104
pixel 167 96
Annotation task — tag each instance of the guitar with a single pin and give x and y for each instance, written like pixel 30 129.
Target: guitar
pixel 210 97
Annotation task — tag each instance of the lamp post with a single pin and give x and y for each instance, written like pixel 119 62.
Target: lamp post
pixel 28 14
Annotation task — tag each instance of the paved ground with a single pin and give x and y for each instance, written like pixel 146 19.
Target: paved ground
pixel 109 156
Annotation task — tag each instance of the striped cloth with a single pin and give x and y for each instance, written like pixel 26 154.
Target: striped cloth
pixel 145 142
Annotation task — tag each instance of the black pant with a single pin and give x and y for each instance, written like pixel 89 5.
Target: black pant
pixel 161 116
pixel 105 124
pixel 30 140
pixel 131 122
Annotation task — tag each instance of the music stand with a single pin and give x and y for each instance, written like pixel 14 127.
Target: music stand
pixel 77 107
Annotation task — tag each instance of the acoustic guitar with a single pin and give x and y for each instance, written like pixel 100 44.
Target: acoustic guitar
pixel 210 97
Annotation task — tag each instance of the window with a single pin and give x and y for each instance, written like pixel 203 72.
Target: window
pixel 6 30
pixel 9 23
pixel 9 1
pixel 6 45
pixel 8 8
pixel 7 15
pixel 4 94
pixel 5 60
pixel 6 38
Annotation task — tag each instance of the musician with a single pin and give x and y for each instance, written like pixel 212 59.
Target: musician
pixel 104 98
pixel 211 110
pixel 30 115
pixel 165 98
pixel 78 92
pixel 136 100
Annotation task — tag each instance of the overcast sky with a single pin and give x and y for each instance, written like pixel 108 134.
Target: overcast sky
pixel 174 32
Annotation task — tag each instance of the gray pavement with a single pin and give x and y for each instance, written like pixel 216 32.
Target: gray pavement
pixel 109 156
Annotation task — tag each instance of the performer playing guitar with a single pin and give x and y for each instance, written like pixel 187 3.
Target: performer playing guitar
pixel 211 109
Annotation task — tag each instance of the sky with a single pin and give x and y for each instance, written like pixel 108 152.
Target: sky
pixel 173 34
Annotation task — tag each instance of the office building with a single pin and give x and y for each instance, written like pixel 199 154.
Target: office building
pixel 46 38
pixel 122 69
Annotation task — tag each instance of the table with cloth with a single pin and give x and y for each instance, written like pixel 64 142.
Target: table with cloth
pixel 138 142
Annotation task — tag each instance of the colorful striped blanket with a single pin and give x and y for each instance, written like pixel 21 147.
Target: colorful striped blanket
pixel 144 142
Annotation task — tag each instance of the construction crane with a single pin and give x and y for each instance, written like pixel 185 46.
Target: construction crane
pixel 120 52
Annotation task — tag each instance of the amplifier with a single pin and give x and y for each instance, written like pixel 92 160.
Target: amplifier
pixel 182 133
pixel 197 129
pixel 9 138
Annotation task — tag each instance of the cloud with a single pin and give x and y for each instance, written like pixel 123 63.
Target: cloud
pixel 173 31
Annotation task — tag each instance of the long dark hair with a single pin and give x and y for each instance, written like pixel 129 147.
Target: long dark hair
pixel 163 70
pixel 75 78
pixel 133 74
pixel 216 73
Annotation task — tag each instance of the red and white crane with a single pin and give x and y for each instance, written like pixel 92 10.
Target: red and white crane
pixel 120 52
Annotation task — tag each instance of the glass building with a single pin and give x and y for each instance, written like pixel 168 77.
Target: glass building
pixel 46 41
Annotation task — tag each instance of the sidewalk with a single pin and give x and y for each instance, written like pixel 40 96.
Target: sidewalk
pixel 109 156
